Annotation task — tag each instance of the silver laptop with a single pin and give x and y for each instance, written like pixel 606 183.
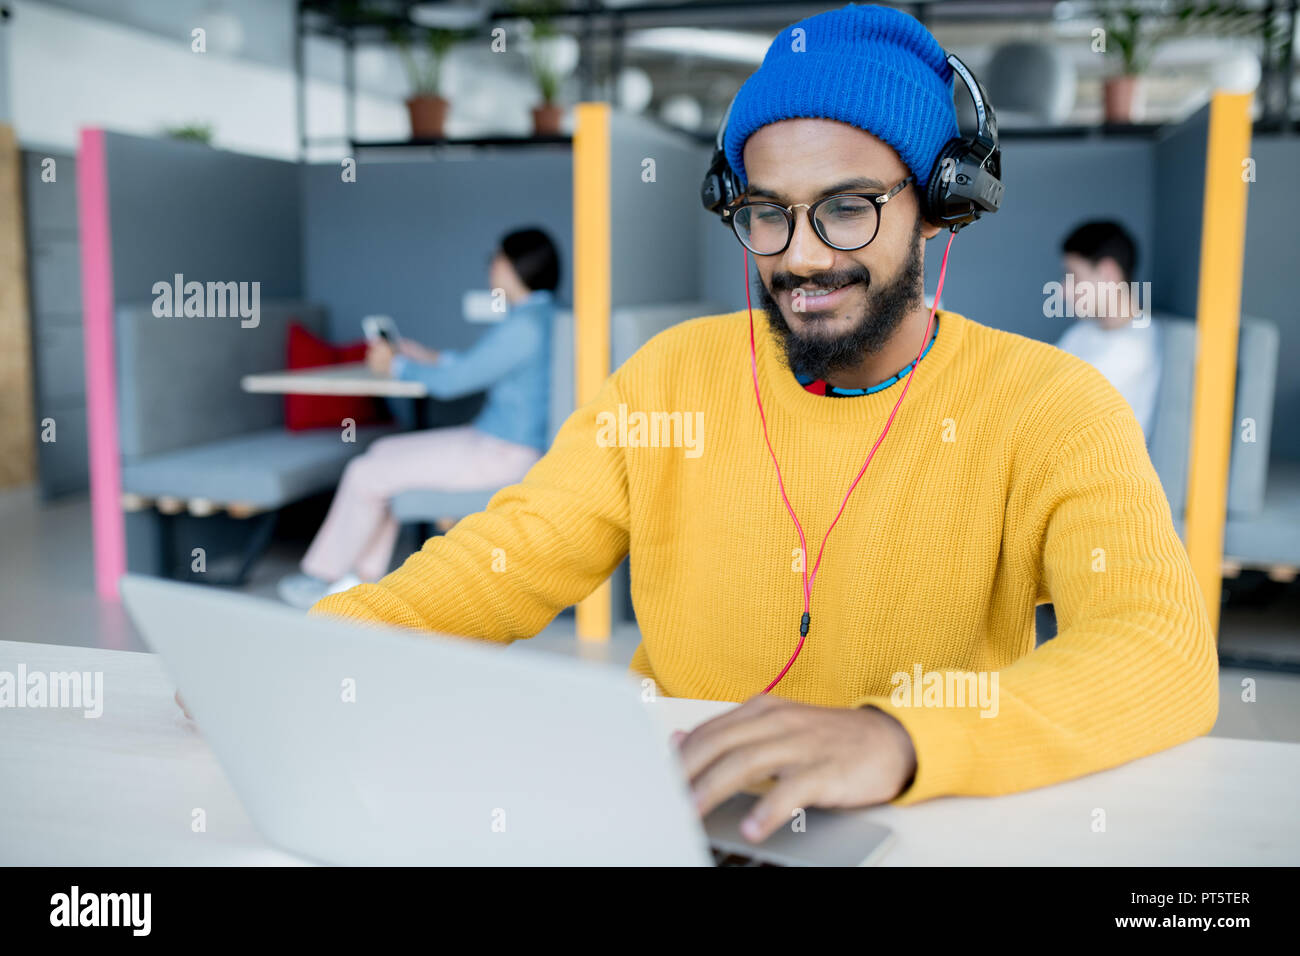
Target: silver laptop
pixel 362 745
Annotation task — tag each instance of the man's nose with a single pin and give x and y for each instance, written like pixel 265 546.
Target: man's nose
pixel 807 254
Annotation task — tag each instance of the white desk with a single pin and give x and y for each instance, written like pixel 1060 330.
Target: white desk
pixel 121 789
pixel 351 379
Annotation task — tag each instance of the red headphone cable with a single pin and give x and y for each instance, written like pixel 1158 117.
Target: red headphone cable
pixel 810 578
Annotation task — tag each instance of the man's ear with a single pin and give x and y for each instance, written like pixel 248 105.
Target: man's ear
pixel 929 229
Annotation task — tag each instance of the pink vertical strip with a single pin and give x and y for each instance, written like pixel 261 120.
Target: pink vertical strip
pixel 107 525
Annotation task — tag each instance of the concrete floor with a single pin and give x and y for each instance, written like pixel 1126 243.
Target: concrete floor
pixel 47 585
pixel 47 595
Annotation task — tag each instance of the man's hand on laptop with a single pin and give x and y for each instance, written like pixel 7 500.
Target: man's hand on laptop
pixel 820 757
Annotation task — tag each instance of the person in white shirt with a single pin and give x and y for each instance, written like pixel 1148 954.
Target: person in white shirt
pixel 1113 331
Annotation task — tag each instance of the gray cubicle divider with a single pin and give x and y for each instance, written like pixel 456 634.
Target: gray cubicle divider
pixel 722 261
pixel 1175 246
pixel 206 214
pixel 656 221
pixel 408 238
pixel 1269 278
pixel 665 247
pixel 54 284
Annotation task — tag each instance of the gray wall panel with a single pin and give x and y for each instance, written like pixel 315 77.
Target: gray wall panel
pixel 209 214
pixel 408 239
pixel 722 260
pixel 54 285
pixel 62 463
pixel 51 206
pixel 55 274
pixel 656 226
pixel 1272 254
pixel 60 361
pixel 1179 196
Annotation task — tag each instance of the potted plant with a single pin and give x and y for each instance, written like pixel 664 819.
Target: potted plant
pixel 1124 38
pixel 426 104
pixel 1134 42
pixel 544 53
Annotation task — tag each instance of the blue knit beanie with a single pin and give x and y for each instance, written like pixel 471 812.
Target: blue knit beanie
pixel 872 67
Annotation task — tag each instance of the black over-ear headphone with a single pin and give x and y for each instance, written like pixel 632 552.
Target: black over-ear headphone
pixel 965 183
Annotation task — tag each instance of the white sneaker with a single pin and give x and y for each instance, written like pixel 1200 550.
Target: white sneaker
pixel 301 590
pixel 304 590
pixel 345 583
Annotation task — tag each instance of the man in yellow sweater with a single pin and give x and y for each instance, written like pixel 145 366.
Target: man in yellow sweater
pixel 1012 474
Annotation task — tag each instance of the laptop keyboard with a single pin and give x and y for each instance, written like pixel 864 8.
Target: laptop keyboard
pixel 726 858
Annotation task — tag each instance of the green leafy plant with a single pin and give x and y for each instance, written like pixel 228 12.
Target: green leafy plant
pixel 424 71
pixel 1227 19
pixel 1134 31
pixel 541 14
pixel 191 133
pixel 1123 25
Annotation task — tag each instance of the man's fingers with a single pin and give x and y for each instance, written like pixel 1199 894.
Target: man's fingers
pixel 741 767
pixel 798 791
pixel 746 711
pixel 180 702
pixel 751 721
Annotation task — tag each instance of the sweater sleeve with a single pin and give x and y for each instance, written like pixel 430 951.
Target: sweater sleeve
pixel 540 546
pixel 1133 669
pixel 456 373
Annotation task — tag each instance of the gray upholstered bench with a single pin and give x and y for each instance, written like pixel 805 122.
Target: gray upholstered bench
pixel 256 472
pixel 1268 539
pixel 193 441
pixel 1263 498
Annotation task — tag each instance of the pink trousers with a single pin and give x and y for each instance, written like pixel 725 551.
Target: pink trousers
pixel 359 533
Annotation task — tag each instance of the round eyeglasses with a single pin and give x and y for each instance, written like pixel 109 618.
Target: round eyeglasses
pixel 844 221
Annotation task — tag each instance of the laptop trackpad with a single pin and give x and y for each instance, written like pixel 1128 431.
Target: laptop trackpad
pixel 814 838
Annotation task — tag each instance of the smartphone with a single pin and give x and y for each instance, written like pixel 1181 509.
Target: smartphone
pixel 381 327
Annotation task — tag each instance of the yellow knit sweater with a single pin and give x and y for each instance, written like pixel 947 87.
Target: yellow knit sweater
pixel 1014 474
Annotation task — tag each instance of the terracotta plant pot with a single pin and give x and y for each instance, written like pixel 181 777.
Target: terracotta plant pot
pixel 547 119
pixel 1121 96
pixel 428 113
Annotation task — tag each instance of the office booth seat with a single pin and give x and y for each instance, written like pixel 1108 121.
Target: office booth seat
pixel 1263 498
pixel 193 442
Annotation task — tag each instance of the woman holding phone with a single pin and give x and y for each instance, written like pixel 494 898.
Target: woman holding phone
pixel 511 362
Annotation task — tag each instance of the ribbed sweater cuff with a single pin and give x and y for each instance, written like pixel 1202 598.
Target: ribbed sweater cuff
pixel 945 755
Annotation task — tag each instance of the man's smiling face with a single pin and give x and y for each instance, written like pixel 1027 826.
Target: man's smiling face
pixel 801 161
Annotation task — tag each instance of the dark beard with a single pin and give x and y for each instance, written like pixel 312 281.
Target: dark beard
pixel 886 307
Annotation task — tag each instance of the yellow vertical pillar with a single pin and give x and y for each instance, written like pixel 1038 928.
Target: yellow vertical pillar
pixel 591 297
pixel 1218 315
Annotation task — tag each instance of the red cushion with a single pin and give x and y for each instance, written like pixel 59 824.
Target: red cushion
pixel 301 412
